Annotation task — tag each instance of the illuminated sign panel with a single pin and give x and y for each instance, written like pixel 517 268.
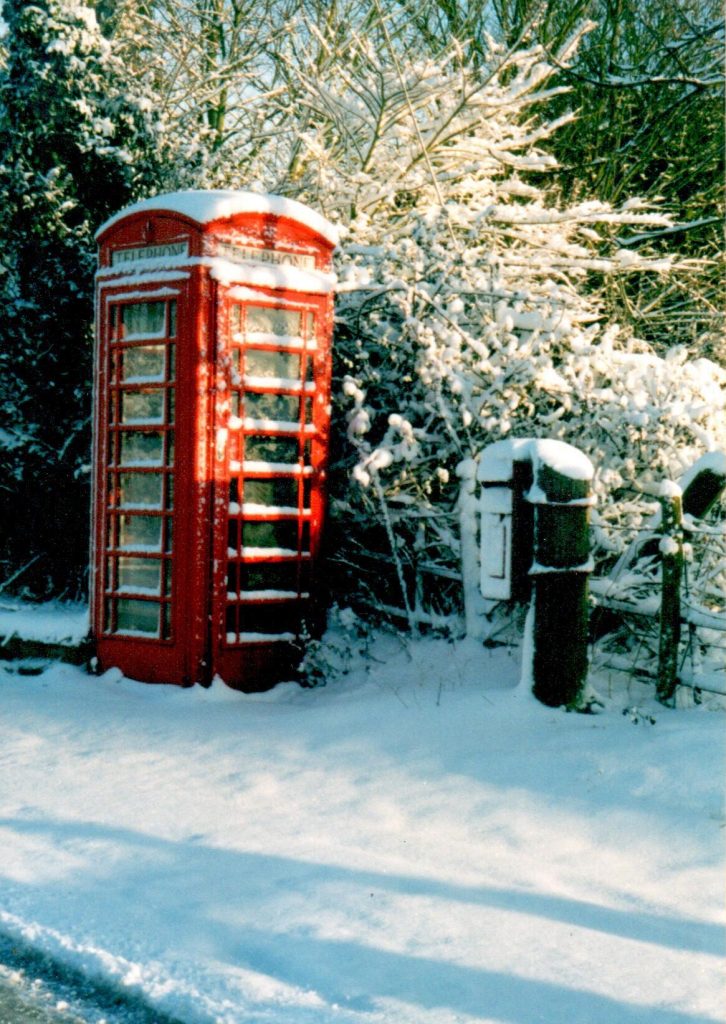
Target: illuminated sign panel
pixel 249 254
pixel 149 252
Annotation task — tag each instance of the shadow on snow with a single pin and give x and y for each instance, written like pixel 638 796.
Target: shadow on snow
pixel 205 885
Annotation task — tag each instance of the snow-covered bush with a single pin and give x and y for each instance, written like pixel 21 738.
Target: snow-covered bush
pixel 470 303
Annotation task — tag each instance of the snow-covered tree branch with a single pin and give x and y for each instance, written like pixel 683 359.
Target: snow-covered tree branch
pixel 473 304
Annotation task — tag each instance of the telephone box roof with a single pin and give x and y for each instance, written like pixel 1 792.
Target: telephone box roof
pixel 204 206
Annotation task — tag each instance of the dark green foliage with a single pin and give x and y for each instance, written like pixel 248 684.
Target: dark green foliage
pixel 647 84
pixel 76 144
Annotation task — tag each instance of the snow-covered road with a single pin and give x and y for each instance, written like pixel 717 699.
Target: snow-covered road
pixel 36 989
pixel 415 843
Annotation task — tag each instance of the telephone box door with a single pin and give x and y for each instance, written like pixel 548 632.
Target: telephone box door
pixel 151 502
pixel 271 427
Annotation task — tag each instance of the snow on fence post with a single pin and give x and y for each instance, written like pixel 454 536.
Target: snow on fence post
pixel 671 549
pixel 535 502
pixel 703 484
pixel 474 607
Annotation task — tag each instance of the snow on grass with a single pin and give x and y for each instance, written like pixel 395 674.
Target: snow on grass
pixel 52 621
pixel 418 842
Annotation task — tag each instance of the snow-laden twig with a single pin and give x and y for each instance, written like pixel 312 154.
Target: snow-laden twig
pixel 16 575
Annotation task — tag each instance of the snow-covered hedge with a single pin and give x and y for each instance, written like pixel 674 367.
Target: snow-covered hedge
pixel 470 302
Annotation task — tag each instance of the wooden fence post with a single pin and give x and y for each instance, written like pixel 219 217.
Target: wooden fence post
pixel 671 549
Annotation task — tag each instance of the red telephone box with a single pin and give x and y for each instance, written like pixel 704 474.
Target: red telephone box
pixel 212 384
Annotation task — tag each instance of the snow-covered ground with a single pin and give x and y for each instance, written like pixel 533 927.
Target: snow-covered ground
pixel 418 842
pixel 54 622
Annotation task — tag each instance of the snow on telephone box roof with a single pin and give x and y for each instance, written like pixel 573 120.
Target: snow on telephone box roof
pixel 205 206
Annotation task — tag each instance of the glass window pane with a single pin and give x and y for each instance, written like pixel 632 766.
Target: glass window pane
pixel 262 363
pixel 142 407
pixel 137 617
pixel 165 621
pixel 139 449
pixel 272 407
pixel 269 576
pixel 172 318
pixel 139 575
pixel 269 618
pixel 144 362
pixel 140 490
pixel 271 449
pixel 276 534
pixel 273 321
pixel 276 492
pixel 140 533
pixel 144 319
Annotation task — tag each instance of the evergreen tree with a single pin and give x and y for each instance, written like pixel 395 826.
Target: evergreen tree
pixel 76 144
